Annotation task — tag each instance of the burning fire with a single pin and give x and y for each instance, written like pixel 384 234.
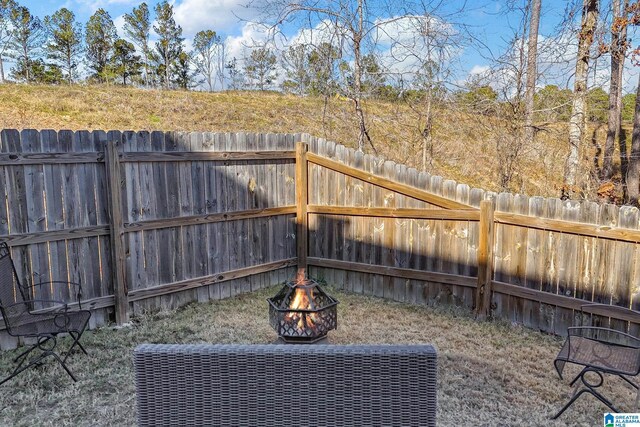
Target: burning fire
pixel 301 301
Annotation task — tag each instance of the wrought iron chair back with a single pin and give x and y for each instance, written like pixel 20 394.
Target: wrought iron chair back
pixel 17 307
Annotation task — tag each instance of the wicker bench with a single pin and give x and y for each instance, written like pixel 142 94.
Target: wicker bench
pixel 277 385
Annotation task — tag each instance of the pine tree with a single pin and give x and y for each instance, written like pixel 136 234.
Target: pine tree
pixel 235 74
pixel 28 36
pixel 65 41
pixel 169 45
pixel 295 62
pixel 124 62
pixel 260 68
pixel 183 75
pixel 100 34
pixel 137 26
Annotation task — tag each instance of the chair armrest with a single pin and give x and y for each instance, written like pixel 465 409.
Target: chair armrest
pixel 78 286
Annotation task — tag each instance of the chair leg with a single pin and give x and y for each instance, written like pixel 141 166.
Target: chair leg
pixel 588 388
pixel 22 357
pixel 64 366
pixel 580 393
pixel 36 361
pixel 76 342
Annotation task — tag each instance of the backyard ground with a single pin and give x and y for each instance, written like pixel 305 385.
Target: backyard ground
pixel 489 373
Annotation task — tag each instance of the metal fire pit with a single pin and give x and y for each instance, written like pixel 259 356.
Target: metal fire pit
pixel 308 324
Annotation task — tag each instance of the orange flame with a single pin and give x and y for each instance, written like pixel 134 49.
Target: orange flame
pixel 301 301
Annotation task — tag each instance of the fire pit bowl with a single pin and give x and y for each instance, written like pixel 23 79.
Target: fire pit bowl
pixel 302 312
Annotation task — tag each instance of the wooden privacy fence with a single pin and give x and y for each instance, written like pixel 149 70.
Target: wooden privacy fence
pixel 149 220
pixel 383 229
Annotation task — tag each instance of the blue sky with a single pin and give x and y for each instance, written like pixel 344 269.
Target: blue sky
pixel 486 20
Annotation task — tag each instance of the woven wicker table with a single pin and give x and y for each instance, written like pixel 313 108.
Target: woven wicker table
pixel 277 385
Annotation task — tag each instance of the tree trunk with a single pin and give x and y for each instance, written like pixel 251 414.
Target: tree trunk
pixel 25 52
pixel 532 70
pixel 577 121
pixel 633 171
pixel 427 146
pixel 69 61
pixel 1 70
pixel 166 72
pixel 357 71
pixel 615 104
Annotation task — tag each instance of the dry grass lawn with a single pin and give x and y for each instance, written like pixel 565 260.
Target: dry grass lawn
pixel 489 373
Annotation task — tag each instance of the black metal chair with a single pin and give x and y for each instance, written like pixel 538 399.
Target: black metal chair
pixel 600 350
pixel 42 326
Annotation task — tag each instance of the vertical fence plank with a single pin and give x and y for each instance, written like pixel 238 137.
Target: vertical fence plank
pixel 412 287
pixel 136 273
pixel 302 199
pixel 36 218
pixel 225 196
pixel 434 261
pixel 451 294
pixel 148 210
pixel 387 250
pixel 503 248
pixel 486 239
pixel 102 218
pixel 372 249
pixel 520 309
pixel 117 239
pixel 534 261
pixel 339 224
pixel 624 264
pixel 401 246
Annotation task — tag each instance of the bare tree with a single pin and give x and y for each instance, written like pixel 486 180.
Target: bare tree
pixel 633 171
pixel 6 7
pixel 204 54
pixel 617 50
pixel 221 60
pixel 351 24
pixel 577 123
pixel 423 86
pixel 532 69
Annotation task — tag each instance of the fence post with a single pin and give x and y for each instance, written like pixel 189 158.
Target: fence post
pixel 302 199
pixel 114 180
pixel 485 260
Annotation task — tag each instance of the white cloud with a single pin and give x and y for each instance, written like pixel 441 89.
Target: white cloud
pixel 478 70
pixel 218 15
pixel 93 5
pixel 406 44
pixel 252 35
pixel 324 32
pixel 119 23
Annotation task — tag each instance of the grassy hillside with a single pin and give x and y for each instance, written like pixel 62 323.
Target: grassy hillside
pixel 464 146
